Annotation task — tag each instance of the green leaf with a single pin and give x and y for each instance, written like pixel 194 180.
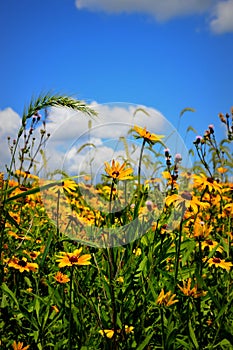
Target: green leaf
pixel 193 336
pixel 10 294
pixel 145 342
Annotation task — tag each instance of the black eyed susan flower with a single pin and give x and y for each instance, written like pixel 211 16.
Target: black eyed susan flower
pixel 117 171
pixel 226 265
pixel 166 299
pixel 107 332
pixel 71 259
pixel 19 346
pixel 110 332
pixel 210 244
pixel 33 255
pixel 191 292
pixel 187 201
pixel 202 182
pixel 22 264
pixel 61 277
pixel 142 133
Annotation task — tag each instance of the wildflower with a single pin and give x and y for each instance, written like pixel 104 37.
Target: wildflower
pixel 20 237
pixel 222 118
pixel 33 255
pixel 222 170
pixel 198 140
pixel 69 186
pixel 210 244
pixel 211 128
pixel 120 279
pixel 226 265
pixel 129 329
pixel 151 139
pixel 26 174
pixel 110 332
pixel 171 179
pixel 202 182
pixel 117 171
pixel 167 152
pixel 19 346
pixel 61 277
pixel 201 230
pixel 187 200
pixel 107 332
pixel 178 158
pixel 22 264
pixel 149 205
pixel 186 289
pixel 166 299
pixel 137 251
pixel 70 259
pixel 55 308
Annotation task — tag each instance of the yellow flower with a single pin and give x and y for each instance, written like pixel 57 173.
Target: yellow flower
pixel 120 279
pixel 117 171
pixel 209 243
pixel 202 182
pixel 129 329
pixel 146 135
pixel 19 346
pixel 137 251
pixel 110 332
pixel 187 200
pixel 194 292
pixel 69 186
pixel 22 264
pixel 201 230
pixel 33 255
pixel 61 277
pixel 166 299
pixel 23 238
pixel 70 259
pixel 226 265
pixel 222 170
pixel 107 332
pixel 26 175
pixel 55 308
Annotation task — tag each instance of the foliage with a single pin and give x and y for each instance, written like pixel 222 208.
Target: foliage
pixel 170 288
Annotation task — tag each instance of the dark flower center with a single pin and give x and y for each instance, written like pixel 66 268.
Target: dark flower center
pixel 116 173
pixel 216 260
pixel 73 259
pixel 209 242
pixel 22 263
pixel 186 195
pixel 210 180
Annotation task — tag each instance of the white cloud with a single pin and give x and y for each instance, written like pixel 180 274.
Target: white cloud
pixel 10 123
pixel 219 12
pixel 160 9
pixel 70 131
pixel 222 17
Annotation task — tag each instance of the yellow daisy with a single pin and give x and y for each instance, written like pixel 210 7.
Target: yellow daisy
pixel 117 171
pixel 70 259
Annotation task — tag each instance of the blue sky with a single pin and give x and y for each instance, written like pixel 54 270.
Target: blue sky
pixel 165 57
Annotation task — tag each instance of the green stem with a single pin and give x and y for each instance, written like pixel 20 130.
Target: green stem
pixel 111 279
pixel 139 165
pixel 163 330
pixel 178 246
pixel 70 309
